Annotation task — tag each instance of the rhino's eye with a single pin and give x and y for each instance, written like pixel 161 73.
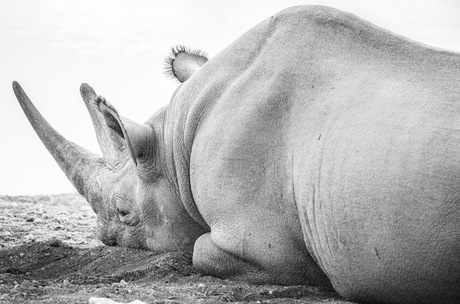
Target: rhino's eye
pixel 126 213
pixel 122 207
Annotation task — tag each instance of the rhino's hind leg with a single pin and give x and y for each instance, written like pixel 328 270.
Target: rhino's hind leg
pixel 254 264
pixel 210 259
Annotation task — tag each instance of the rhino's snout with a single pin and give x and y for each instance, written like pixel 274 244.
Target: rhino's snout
pixel 107 240
pixel 110 242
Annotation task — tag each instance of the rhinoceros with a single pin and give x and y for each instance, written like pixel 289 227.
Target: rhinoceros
pixel 315 149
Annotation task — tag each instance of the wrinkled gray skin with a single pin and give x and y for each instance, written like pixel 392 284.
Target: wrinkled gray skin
pixel 316 148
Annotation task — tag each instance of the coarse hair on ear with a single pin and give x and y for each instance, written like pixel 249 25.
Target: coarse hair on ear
pixel 183 62
pixel 136 137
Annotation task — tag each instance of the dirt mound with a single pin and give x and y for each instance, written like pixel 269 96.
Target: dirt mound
pixel 56 260
pixel 48 254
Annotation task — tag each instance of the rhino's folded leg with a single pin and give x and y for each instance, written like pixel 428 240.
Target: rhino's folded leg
pixel 94 300
pixel 210 259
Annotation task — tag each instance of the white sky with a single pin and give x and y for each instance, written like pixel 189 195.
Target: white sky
pixel 118 46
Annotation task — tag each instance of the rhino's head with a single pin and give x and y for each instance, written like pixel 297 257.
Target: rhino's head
pixel 129 188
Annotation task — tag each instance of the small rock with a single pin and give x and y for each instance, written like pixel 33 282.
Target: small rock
pixel 26 283
pixel 122 283
pixel 32 283
pixel 55 243
pixel 30 220
pixel 94 300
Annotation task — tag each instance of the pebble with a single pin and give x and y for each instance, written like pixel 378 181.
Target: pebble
pixel 122 283
pixel 55 243
pixel 32 283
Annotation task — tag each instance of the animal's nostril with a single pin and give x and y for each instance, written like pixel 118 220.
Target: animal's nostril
pixel 110 242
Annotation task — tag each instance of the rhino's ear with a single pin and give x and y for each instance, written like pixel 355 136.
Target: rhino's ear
pixel 182 63
pixel 137 138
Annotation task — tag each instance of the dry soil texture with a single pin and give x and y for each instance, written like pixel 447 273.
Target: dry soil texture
pixel 49 254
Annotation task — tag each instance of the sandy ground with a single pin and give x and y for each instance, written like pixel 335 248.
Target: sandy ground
pixel 49 254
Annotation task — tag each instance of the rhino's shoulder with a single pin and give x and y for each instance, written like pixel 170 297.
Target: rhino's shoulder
pixel 319 16
pixel 332 26
pixel 300 25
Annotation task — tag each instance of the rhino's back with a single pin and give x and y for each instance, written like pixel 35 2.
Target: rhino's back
pixel 358 129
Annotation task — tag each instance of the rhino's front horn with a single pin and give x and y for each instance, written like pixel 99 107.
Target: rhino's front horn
pixel 79 165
